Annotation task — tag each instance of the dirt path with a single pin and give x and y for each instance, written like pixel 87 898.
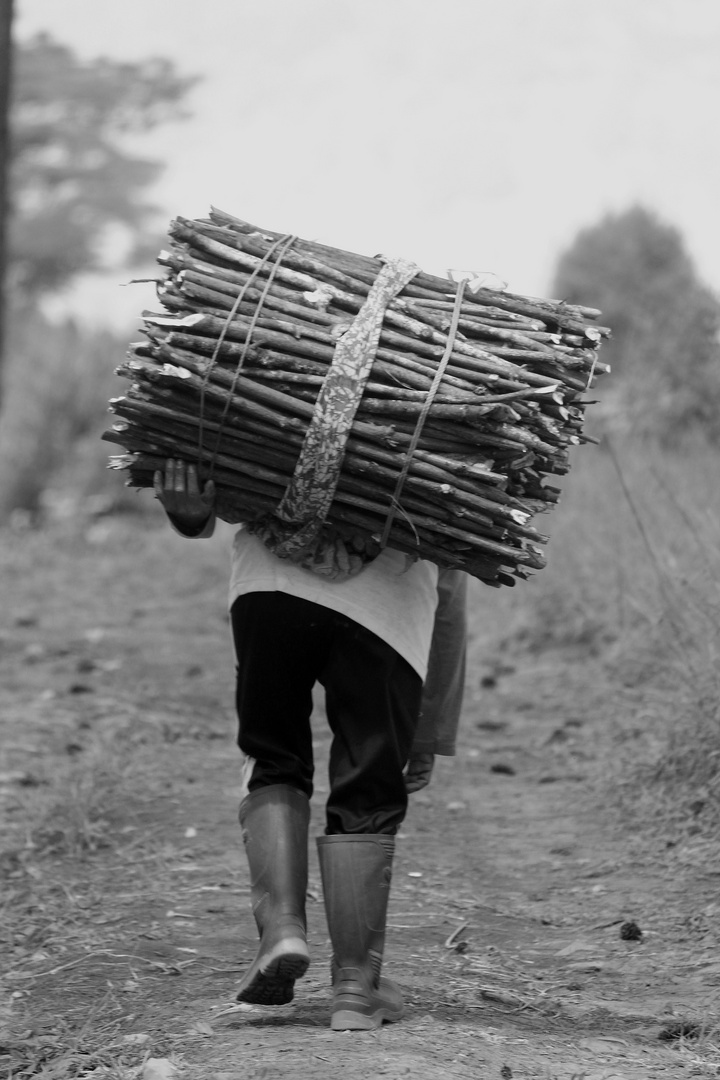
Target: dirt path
pixel 515 886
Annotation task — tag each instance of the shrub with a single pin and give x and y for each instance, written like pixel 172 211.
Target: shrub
pixel 664 349
pixel 58 380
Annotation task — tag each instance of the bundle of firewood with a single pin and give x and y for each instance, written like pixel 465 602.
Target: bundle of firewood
pixel 474 395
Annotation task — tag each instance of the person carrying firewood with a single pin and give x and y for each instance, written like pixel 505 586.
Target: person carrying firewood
pixel 388 646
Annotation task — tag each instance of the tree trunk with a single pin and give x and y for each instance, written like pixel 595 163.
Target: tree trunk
pixel 6 18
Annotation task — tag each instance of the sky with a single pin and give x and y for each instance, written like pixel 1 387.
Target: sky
pixel 472 134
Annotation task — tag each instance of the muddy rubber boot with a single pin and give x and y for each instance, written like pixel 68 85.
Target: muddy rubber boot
pixel 356 871
pixel 274 824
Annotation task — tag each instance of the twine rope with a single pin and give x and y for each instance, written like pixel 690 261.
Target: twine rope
pixel 395 506
pixel 278 248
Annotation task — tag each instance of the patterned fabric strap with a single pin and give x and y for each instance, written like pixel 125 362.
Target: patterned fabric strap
pixel 301 514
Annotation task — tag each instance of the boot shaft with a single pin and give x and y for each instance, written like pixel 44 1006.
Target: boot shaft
pixel 274 822
pixel 356 872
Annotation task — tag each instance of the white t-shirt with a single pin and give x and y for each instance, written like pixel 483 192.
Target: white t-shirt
pixel 392 596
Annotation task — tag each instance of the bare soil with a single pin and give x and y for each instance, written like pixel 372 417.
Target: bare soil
pixel 535 930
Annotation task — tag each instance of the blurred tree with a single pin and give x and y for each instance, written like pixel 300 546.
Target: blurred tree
pixel 664 350
pixel 58 382
pixel 73 182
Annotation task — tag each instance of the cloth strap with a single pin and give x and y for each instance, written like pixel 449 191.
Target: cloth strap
pixel 307 499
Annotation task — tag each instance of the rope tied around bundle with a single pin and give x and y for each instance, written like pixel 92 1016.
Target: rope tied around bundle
pixel 442 442
pixel 452 334
pixel 279 249
pixel 294 531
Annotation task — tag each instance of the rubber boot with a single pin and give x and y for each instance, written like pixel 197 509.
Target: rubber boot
pixel 356 871
pixel 274 822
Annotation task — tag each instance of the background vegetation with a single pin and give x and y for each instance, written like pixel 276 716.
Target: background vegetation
pixel 78 204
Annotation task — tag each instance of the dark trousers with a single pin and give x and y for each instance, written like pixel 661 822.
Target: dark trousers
pixel 284 645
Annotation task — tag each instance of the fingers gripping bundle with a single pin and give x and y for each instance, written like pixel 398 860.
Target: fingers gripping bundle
pixel 342 403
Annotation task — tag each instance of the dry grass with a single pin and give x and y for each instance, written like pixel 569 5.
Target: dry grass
pixel 77 818
pixel 634 581
pixel 94 1048
pixel 79 805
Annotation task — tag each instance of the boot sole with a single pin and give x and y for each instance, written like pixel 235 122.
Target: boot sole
pixel 271 979
pixel 349 1020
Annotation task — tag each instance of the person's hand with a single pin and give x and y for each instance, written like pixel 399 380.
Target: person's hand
pixel 418 772
pixel 179 492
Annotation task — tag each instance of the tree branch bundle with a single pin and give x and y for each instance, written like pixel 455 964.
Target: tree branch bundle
pixel 229 371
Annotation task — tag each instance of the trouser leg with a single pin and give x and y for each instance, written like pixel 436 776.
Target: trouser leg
pixel 278 647
pixel 284 645
pixel 372 697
